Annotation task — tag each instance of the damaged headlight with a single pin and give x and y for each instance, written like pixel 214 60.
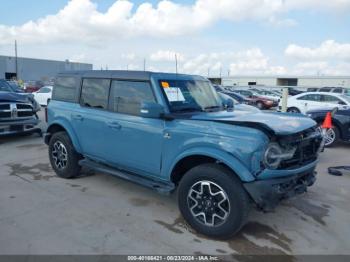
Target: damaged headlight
pixel 275 154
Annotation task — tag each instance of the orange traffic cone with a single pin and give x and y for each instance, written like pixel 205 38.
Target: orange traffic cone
pixel 327 123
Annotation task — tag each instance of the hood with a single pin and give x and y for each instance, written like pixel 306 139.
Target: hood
pixel 278 123
pixel 19 98
pixel 14 97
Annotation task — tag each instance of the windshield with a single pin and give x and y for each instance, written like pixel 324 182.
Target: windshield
pixel 5 87
pixel 347 92
pixel 190 95
pixel 13 85
pixel 346 97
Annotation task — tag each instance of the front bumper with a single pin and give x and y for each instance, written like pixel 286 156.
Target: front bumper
pixel 22 126
pixel 268 193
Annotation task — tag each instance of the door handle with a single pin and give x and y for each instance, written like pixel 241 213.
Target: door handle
pixel 114 125
pixel 78 117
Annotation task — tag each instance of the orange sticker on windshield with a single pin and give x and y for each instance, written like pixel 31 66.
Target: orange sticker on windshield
pixel 165 84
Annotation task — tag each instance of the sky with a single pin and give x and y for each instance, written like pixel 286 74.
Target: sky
pixel 208 37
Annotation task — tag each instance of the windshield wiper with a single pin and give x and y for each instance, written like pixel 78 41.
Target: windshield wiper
pixel 188 109
pixel 212 107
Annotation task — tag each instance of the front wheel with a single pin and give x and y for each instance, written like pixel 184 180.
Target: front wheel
pixel 332 137
pixel 260 105
pixel 213 201
pixel 293 110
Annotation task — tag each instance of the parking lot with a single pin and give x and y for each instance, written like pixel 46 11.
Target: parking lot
pixel 100 214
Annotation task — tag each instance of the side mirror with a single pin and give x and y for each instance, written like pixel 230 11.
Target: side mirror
pixel 151 110
pixel 334 111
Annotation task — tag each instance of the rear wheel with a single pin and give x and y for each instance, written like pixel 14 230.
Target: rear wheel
pixel 213 201
pixel 63 157
pixel 293 110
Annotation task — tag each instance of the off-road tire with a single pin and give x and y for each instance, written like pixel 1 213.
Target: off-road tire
pixel 239 201
pixel 72 168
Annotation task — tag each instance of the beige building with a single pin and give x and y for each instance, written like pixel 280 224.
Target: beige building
pixel 298 81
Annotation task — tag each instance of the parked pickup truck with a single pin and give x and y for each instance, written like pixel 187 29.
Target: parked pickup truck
pixel 172 132
pixel 17 111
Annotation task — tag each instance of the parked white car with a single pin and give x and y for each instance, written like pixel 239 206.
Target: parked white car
pixel 43 95
pixel 314 100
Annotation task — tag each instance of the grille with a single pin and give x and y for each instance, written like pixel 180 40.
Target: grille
pixel 15 110
pixel 4 106
pixel 307 149
pixel 24 106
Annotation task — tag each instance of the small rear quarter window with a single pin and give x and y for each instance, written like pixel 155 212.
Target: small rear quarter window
pixel 65 89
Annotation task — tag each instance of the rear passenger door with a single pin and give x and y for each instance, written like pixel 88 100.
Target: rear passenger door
pixel 90 118
pixel 134 142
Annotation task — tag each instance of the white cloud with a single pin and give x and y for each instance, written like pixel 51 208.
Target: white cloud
pixel 166 56
pixel 80 21
pixel 329 49
pixel 248 62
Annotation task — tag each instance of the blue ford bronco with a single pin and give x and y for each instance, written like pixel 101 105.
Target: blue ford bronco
pixel 172 132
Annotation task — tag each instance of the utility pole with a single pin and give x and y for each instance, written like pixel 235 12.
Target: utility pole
pixel 144 64
pixel 220 71
pixel 176 63
pixel 208 71
pixel 16 60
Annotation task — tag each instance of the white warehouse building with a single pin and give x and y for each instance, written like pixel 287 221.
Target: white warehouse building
pixel 297 81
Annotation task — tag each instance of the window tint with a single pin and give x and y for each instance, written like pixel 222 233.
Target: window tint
pixel 311 97
pixel 65 89
pixel 126 97
pixel 94 93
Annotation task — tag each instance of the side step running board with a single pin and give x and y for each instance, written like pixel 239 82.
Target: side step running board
pixel 161 187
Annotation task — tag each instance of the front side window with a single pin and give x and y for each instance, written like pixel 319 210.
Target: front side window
pixel 95 92
pixel 190 95
pixel 65 89
pixel 127 96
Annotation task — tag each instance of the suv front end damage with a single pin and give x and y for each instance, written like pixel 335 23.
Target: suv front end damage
pixel 289 168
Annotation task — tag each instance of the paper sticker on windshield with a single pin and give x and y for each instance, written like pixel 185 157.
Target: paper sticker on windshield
pixel 174 94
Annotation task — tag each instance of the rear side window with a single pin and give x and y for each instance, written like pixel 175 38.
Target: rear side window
pixel 325 89
pixel 311 97
pixel 338 90
pixel 65 89
pixel 331 99
pixel 126 96
pixel 95 92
